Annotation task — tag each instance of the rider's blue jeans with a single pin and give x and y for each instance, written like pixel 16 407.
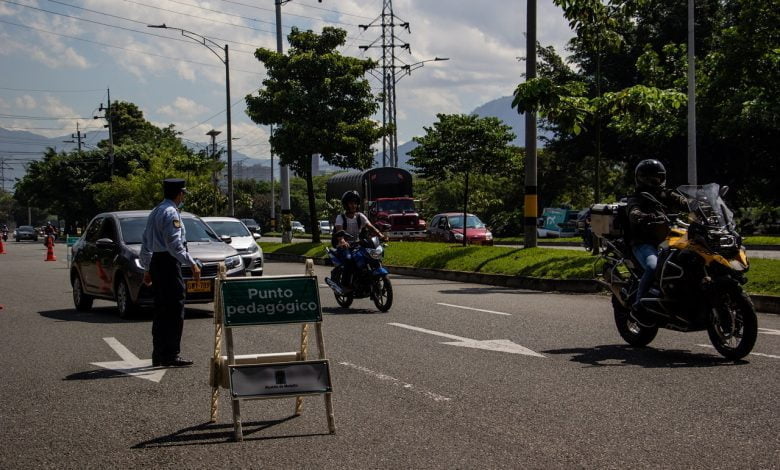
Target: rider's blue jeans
pixel 647 255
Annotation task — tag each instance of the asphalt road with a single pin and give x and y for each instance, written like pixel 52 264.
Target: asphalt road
pixel 418 387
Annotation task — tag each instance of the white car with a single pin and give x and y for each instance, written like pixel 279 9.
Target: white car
pixel 297 227
pixel 325 227
pixel 235 233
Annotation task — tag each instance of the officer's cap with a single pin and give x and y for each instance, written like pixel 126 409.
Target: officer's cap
pixel 174 186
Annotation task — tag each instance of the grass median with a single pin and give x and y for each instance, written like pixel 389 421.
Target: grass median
pixel 547 263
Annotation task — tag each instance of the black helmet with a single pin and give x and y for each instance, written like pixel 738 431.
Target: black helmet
pixel 650 174
pixel 350 196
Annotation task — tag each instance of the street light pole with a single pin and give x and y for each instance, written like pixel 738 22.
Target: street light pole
pixel 530 210
pixel 211 45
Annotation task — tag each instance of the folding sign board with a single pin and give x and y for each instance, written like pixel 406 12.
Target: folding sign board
pixel 286 378
pixel 294 299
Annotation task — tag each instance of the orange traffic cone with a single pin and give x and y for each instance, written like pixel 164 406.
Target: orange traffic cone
pixel 2 247
pixel 50 251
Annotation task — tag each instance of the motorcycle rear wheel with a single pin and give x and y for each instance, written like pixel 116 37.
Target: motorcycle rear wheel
pixel 733 341
pixel 632 332
pixel 382 294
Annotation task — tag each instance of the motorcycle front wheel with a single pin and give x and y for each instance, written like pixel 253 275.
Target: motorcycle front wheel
pixel 382 294
pixel 733 325
pixel 344 300
pixel 632 332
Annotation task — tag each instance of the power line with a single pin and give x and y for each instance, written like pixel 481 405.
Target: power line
pixel 179 59
pixel 32 90
pixel 40 118
pixel 202 18
pixel 106 24
pixel 144 22
pixel 289 14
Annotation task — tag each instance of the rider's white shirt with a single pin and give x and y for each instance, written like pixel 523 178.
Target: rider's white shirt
pixel 350 225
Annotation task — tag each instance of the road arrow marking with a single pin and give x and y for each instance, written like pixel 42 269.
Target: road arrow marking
pixel 769 331
pixel 472 308
pixel 130 363
pixel 500 345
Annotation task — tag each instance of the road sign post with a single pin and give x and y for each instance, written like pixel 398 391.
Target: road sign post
pixel 272 300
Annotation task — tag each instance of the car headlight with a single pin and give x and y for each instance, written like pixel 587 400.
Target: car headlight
pixel 488 236
pixel 459 236
pixel 253 248
pixel 232 261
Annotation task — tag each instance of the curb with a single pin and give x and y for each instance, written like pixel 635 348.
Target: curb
pixel 763 303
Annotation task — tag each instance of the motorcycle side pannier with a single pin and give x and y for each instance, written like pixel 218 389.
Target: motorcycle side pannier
pixel 609 220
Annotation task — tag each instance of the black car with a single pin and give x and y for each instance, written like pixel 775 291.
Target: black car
pixel 105 261
pixel 26 232
pixel 252 225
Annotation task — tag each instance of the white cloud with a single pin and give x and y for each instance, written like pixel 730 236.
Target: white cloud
pixel 26 102
pixel 182 108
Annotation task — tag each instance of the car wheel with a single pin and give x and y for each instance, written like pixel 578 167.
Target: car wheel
pixel 124 302
pixel 82 301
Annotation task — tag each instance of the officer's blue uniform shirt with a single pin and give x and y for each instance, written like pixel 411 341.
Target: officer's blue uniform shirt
pixel 165 232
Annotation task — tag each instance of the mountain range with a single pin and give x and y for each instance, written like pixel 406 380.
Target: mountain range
pixel 19 148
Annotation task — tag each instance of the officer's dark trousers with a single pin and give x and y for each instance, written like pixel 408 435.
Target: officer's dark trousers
pixel 169 292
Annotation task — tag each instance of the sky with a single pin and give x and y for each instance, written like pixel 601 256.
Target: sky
pixel 59 57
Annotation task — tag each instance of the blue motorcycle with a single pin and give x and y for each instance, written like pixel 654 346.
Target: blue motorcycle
pixel 369 277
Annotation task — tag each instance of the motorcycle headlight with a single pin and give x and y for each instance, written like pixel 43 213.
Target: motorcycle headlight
pixel 459 236
pixel 232 261
pixel 377 252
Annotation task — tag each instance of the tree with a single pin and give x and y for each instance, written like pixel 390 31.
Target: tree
pixel 462 144
pixel 320 103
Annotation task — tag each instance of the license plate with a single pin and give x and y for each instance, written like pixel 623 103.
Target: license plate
pixel 199 286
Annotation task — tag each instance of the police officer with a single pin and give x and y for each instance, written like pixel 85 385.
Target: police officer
pixel 163 251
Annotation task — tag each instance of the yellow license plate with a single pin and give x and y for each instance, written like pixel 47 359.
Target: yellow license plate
pixel 199 286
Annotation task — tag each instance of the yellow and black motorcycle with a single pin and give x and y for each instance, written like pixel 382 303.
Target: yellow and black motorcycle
pixel 699 277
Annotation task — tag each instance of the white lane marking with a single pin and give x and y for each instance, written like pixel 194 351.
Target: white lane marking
pixel 769 331
pixel 500 345
pixel 752 354
pixel 472 308
pixel 396 382
pixel 130 363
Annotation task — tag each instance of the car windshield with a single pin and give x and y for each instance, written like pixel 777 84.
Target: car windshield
pixel 471 222
pixel 249 222
pixel 231 228
pixel 26 228
pixel 401 205
pixel 324 223
pixel 197 231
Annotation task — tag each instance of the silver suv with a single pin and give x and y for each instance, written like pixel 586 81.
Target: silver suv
pixel 105 261
pixel 234 232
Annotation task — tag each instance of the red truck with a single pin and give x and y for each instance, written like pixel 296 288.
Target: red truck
pixel 387 200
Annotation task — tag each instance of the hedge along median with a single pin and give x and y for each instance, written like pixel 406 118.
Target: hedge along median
pixel 532 268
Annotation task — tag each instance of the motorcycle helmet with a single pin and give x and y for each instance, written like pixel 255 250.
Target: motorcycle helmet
pixel 350 196
pixel 650 175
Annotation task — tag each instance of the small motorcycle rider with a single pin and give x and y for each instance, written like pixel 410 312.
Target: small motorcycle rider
pixel 49 231
pixel 649 224
pixel 350 222
pixel 4 231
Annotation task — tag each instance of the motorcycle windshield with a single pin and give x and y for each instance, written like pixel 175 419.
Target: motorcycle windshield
pixel 707 206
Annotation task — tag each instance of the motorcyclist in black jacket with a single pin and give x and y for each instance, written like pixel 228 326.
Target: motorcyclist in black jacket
pixel 649 224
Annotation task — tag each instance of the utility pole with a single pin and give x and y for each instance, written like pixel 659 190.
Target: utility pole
pixel 110 127
pixel 213 133
pixel 273 195
pixel 78 136
pixel 692 177
pixel 3 167
pixel 387 42
pixel 284 172
pixel 530 210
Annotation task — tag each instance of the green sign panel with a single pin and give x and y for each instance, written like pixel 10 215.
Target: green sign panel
pixel 294 299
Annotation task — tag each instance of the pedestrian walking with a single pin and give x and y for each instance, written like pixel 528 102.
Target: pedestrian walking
pixel 163 251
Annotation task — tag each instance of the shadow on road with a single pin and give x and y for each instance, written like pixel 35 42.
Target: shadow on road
pixel 210 433
pixel 624 355
pixel 492 290
pixel 348 311
pixel 101 374
pixel 110 315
